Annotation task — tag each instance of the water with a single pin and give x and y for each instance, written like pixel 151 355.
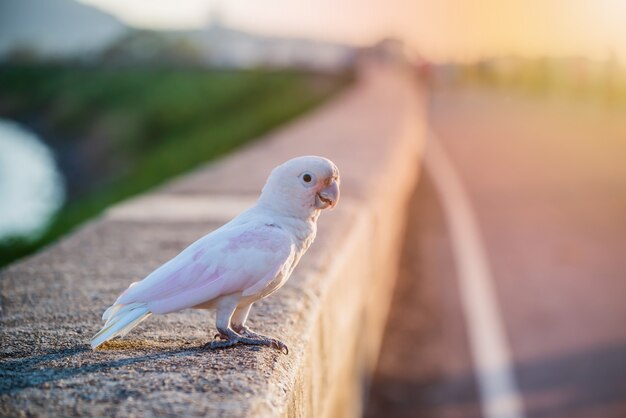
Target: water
pixel 31 187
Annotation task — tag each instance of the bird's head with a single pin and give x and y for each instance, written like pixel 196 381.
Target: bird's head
pixel 302 186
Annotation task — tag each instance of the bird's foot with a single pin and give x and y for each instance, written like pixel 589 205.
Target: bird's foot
pixel 267 341
pixel 247 332
pixel 245 336
pixel 220 336
pixel 221 343
pixel 224 338
pixel 252 338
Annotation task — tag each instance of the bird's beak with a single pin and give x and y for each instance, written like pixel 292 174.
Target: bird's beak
pixel 328 196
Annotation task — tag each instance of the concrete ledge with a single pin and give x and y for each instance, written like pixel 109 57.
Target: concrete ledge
pixel 331 313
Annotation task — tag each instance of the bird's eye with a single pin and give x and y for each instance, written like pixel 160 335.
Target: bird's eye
pixel 308 179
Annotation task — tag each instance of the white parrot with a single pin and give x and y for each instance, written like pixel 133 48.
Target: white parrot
pixel 243 261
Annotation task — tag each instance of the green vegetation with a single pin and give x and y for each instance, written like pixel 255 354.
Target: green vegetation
pixel 132 129
pixel 602 82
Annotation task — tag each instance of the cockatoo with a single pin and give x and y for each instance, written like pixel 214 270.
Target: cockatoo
pixel 245 260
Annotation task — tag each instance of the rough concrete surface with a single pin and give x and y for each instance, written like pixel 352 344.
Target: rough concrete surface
pixel 331 313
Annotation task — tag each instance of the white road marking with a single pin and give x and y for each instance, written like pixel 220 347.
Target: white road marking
pixel 499 393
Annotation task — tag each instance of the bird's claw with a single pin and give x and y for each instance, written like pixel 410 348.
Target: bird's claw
pixel 219 344
pixel 222 341
pixel 282 347
pixel 253 338
pixel 267 341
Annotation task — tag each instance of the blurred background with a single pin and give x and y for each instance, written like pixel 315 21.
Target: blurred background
pixel 103 99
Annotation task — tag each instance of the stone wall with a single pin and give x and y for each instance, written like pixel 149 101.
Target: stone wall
pixel 331 313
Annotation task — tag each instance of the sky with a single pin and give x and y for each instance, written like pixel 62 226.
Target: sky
pixel 439 29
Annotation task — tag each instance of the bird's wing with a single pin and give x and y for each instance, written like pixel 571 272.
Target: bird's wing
pixel 226 261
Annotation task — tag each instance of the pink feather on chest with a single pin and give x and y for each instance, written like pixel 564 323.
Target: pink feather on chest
pixel 255 239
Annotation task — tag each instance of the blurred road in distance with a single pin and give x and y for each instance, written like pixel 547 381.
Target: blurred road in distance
pixel 546 179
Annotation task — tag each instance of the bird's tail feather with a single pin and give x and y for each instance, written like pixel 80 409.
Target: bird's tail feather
pixel 120 319
pixel 111 310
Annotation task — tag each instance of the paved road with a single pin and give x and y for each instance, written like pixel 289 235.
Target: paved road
pixel 547 183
